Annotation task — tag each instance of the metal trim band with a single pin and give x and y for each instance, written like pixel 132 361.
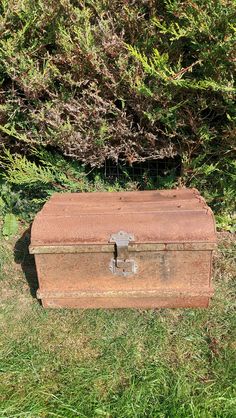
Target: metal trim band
pixel 129 293
pixel 109 248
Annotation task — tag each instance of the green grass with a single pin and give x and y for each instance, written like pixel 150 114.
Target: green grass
pixel 116 364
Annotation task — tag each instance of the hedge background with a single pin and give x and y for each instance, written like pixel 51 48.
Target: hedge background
pixel 127 80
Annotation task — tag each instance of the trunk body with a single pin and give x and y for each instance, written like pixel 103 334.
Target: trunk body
pixel 131 249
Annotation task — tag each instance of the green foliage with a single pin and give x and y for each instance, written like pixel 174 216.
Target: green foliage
pixel 217 182
pixel 116 79
pixel 10 225
pixel 19 170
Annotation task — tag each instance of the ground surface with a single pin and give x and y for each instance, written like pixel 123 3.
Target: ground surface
pixel 116 364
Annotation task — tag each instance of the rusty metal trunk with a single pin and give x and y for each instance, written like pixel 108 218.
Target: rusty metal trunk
pixel 145 249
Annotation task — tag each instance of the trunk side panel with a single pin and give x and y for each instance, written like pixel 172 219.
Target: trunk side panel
pixel 90 272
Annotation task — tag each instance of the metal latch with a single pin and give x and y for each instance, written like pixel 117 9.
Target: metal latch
pixel 121 264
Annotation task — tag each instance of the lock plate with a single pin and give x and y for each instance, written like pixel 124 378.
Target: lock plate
pixel 122 265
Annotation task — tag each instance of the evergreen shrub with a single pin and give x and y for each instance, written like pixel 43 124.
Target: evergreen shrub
pixel 133 80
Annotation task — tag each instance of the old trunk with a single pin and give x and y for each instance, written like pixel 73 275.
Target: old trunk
pixel 131 249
